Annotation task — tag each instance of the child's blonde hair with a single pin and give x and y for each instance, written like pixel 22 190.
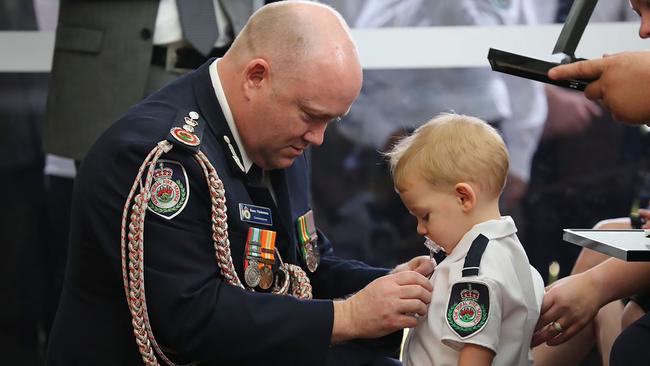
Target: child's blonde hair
pixel 452 148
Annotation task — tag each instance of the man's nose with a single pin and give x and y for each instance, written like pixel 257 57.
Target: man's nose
pixel 316 134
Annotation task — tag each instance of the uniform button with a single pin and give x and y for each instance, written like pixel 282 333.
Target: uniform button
pixel 145 34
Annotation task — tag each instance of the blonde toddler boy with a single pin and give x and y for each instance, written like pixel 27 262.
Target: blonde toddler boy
pixel 486 299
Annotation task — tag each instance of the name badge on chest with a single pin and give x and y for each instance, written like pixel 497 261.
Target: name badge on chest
pixel 255 214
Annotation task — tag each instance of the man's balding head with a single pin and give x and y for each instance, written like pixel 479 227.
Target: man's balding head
pixel 292 69
pixel 289 34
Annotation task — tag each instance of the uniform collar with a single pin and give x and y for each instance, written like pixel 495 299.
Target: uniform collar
pixel 492 229
pixel 227 113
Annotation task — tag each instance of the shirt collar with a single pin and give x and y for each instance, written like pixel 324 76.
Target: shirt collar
pixel 223 102
pixel 492 229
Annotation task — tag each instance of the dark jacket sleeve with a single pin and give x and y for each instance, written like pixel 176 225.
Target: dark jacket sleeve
pixel 337 277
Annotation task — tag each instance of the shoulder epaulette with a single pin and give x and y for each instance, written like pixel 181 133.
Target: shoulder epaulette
pixel 473 257
pixel 187 130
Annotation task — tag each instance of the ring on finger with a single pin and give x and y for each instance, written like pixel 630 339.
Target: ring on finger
pixel 558 327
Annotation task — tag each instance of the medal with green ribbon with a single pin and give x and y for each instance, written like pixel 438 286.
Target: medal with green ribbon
pixel 308 240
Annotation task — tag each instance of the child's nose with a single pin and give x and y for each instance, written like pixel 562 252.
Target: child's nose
pixel 421 229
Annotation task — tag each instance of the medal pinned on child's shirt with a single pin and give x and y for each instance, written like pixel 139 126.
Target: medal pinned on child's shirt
pixel 308 239
pixel 436 252
pixel 259 258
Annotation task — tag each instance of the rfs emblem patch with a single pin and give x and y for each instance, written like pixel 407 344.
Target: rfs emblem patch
pixel 468 308
pixel 170 190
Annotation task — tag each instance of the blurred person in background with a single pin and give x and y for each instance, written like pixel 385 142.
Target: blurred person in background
pixel 393 102
pixel 21 167
pixel 620 82
pixel 581 156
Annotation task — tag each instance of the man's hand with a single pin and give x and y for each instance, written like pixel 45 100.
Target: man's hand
pixel 571 302
pixel 422 265
pixel 621 81
pixel 387 304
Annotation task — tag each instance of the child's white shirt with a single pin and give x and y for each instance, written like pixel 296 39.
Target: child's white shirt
pixel 514 288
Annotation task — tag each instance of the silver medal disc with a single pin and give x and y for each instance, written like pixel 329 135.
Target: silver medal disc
pixel 252 274
pixel 313 257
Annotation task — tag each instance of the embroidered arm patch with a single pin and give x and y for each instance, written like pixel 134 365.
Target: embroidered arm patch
pixel 468 309
pixel 170 189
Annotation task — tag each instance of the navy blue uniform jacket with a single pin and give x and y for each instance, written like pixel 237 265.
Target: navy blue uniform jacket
pixel 192 310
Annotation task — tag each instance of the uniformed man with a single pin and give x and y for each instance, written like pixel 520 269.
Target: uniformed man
pixel 192 235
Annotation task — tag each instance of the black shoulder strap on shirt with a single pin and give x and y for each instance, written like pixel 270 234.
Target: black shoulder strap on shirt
pixel 473 257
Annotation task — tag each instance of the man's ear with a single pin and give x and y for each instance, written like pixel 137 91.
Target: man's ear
pixel 256 73
pixel 465 196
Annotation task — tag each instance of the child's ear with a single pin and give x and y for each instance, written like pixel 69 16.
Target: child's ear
pixel 465 196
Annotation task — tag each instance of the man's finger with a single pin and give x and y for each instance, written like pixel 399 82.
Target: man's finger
pixel 594 90
pixel 415 292
pixel 425 267
pixel 590 69
pixel 406 321
pixel 545 317
pixel 412 278
pixel 412 307
pixel 538 338
pixel 542 335
pixel 562 337
pixel 548 317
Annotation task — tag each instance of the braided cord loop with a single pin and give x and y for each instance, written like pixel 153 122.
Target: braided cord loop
pixel 219 221
pixel 295 280
pixel 300 285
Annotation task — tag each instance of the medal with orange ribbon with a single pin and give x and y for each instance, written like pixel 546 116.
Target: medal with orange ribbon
pixel 259 258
